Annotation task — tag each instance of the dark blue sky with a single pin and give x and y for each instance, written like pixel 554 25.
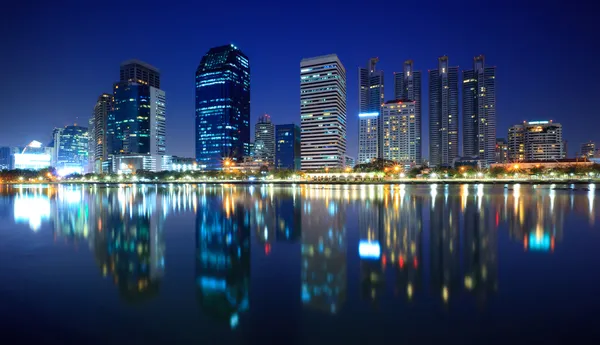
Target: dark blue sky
pixel 57 57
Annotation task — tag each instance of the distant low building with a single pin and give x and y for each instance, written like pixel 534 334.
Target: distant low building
pixel 350 162
pixel 127 164
pixel 551 164
pixel 472 162
pixel 183 164
pixel 501 150
pixel 33 157
pixel 588 149
pixel 6 158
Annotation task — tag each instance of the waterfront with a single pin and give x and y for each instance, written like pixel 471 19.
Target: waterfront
pixel 229 264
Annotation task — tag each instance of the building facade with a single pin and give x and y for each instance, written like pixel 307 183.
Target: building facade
pixel 350 162
pixel 137 123
pixel 407 86
pixel 287 154
pixel 588 149
pixel 34 156
pixel 6 157
pixel 222 107
pixel 323 112
pixel 140 72
pixel 369 137
pixel 535 140
pixel 264 140
pixel 371 97
pixel 479 111
pixel 516 143
pixel 71 145
pixel 400 133
pixel 501 151
pixel 443 114
pixel 98 132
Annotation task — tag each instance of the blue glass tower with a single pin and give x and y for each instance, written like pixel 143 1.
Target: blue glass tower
pixel 222 107
pixel 287 147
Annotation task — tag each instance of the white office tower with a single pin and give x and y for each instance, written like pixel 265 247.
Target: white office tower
pixel 322 112
pixel 400 132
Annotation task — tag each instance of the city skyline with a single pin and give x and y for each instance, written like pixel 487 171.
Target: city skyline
pixel 275 87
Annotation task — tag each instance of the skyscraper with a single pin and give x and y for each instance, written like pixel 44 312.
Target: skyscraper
pixel 516 143
pixel 287 153
pixel 371 98
pixel 222 107
pixel 71 149
pixel 400 133
pixel 264 140
pixel 323 112
pixel 479 111
pixel 138 119
pixel 407 86
pixel 140 72
pixel 101 145
pixel 588 149
pixel 443 114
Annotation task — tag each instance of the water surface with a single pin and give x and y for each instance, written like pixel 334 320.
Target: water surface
pixel 318 264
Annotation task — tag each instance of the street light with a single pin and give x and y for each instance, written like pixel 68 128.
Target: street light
pixel 397 168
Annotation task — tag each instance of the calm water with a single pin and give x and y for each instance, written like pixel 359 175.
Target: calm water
pixel 266 264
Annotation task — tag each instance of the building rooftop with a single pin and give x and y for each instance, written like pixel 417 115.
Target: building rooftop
pixel 141 63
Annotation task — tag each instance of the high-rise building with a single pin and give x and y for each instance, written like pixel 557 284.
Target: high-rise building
pixel 264 140
pixel 535 140
pixel 287 154
pixel 91 145
pixel 400 133
pixel 443 114
pixel 516 143
pixel 71 149
pixel 140 72
pixel 350 162
pixel 501 151
pixel 371 96
pixel 222 107
pixel 369 137
pixel 138 119
pixel 323 112
pixel 407 86
pixel 479 111
pixel 100 141
pixel 588 149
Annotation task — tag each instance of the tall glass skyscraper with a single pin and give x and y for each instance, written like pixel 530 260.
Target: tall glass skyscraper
pixel 222 107
pixel 407 86
pixel 323 112
pixel 370 89
pixel 100 147
pixel 479 111
pixel 136 123
pixel 443 114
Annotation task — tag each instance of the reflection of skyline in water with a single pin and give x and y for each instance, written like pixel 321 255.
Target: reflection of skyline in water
pixel 222 256
pixel 437 239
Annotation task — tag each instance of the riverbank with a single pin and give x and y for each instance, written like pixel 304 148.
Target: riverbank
pixel 286 182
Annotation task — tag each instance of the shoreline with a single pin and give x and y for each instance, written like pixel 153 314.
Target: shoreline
pixel 386 182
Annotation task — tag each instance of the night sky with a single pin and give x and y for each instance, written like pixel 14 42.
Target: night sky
pixel 57 57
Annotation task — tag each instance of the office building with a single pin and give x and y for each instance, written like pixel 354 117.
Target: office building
pixel 369 137
pixel 140 72
pixel 222 107
pixel 479 111
pixel 287 154
pixel 71 145
pixel 136 123
pixel 323 112
pixel 91 146
pixel 407 86
pixel 536 140
pixel 588 149
pixel 371 97
pixel 101 143
pixel 264 140
pixel 443 114
pixel 350 162
pixel 131 163
pixel 400 132
pixel 501 151
pixel 565 149
pixel 516 143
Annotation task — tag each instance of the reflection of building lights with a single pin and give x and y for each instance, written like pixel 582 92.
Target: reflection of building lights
pixel 468 283
pixel 369 250
pixel 32 209
pixel 409 290
pixel 445 293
